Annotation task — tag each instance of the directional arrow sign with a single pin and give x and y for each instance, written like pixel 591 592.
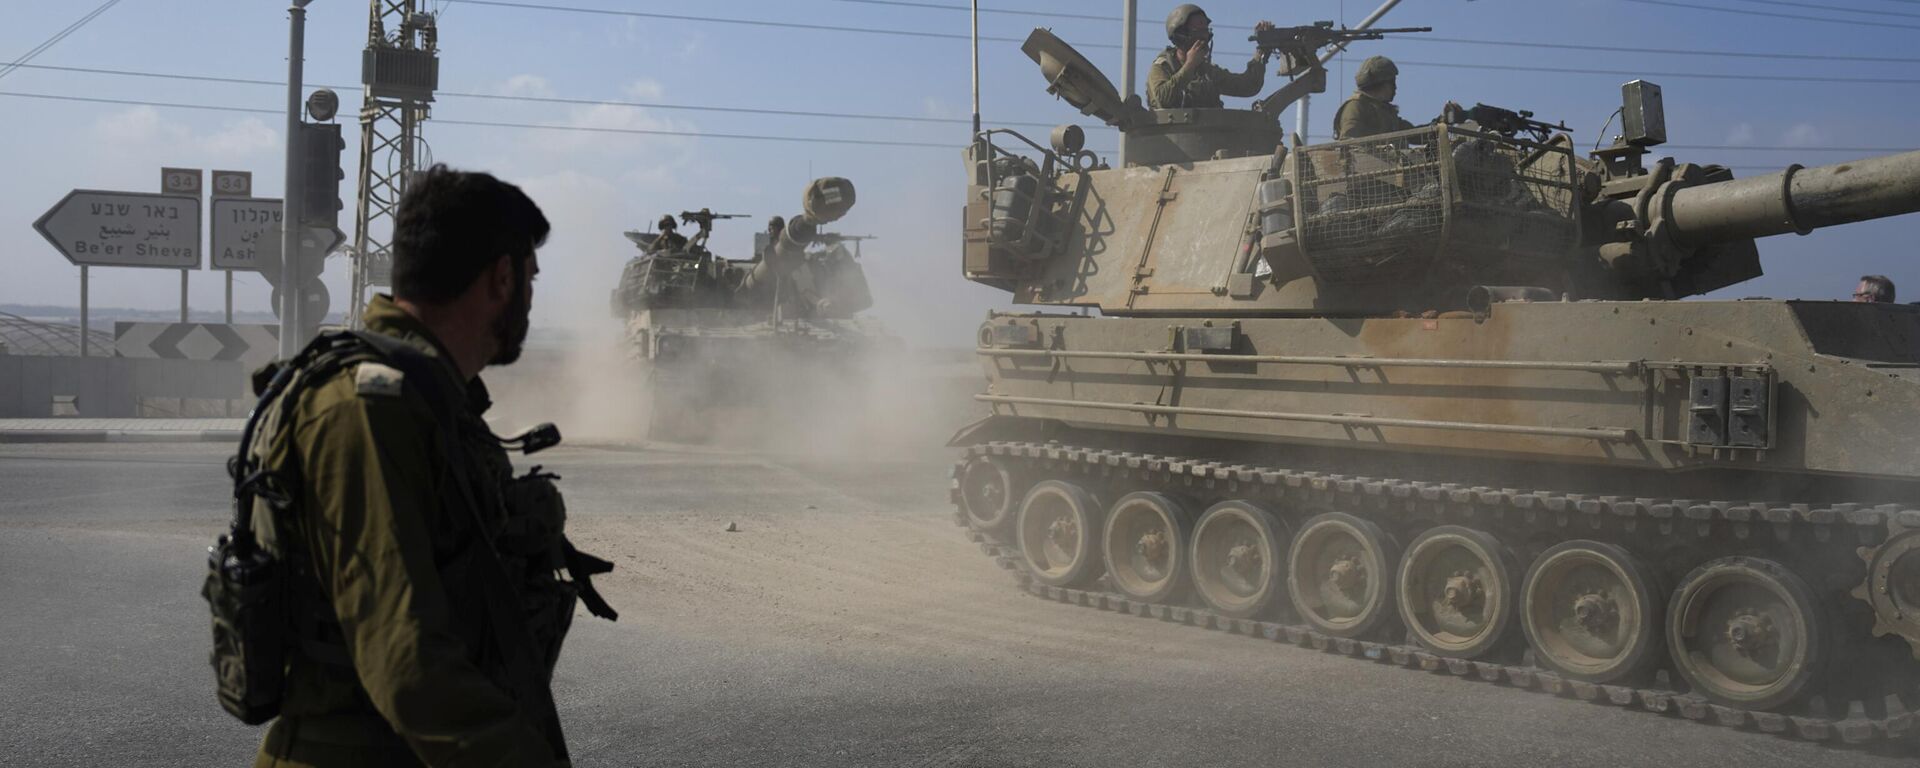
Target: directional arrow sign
pixel 124 229
pixel 246 234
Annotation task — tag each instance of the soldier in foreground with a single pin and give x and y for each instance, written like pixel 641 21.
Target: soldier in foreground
pixel 424 613
pixel 1184 76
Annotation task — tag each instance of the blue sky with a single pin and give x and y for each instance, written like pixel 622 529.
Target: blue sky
pixel 594 184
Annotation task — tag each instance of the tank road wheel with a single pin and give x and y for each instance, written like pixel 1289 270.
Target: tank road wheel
pixel 1237 558
pixel 1892 587
pixel 1340 574
pixel 1746 632
pixel 1058 528
pixel 1146 546
pixel 986 493
pixel 1589 613
pixel 1457 591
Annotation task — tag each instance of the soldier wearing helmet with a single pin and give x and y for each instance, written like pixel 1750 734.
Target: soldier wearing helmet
pixel 1370 110
pixel 1184 75
pixel 668 241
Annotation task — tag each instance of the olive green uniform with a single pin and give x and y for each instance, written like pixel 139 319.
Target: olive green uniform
pixel 1364 115
pixel 382 536
pixel 668 242
pixel 1202 88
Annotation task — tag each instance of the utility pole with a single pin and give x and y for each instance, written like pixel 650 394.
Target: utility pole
pixel 400 72
pixel 975 37
pixel 1130 21
pixel 290 289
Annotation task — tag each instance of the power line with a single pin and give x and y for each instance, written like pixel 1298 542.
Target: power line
pixel 547 99
pixel 1115 46
pixel 748 110
pixel 799 139
pixel 492 124
pixel 997 11
pixel 1830 7
pixel 138 103
pixel 1770 14
pixel 1663 51
pixel 57 37
pixel 1675 75
pixel 1458 40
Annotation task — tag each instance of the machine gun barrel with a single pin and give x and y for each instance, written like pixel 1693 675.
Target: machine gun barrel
pixel 1323 34
pixel 1796 200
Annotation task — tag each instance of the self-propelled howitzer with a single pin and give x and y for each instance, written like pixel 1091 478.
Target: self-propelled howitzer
pixel 728 342
pixel 1429 397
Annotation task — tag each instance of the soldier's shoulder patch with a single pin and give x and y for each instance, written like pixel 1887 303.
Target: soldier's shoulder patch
pixel 377 379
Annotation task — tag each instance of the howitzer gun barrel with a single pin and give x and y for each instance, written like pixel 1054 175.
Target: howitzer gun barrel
pixel 1796 200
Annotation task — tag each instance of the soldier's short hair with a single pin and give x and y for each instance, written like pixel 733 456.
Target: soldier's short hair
pixel 453 225
pixel 1879 286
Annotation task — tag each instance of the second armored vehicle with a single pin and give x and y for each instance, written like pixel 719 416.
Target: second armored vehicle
pixel 735 347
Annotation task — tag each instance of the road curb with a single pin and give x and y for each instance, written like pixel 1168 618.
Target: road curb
pixel 119 436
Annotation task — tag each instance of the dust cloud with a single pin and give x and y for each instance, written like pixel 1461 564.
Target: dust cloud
pixel 881 400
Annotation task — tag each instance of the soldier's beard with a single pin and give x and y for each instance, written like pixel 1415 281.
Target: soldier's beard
pixel 510 328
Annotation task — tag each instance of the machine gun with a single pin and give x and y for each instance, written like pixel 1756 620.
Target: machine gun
pixel 1505 122
pixel 1301 48
pixel 705 218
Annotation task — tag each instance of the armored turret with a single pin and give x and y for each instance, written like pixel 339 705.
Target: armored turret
pixel 1214 213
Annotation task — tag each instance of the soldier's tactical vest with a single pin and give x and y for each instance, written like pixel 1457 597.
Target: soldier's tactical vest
pixel 266 609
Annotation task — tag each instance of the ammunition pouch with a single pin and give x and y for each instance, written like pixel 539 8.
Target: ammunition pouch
pixel 247 590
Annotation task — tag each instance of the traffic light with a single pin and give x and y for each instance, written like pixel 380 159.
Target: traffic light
pixel 320 173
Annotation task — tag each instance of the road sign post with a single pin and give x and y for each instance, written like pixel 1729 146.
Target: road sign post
pixel 188 182
pixel 231 184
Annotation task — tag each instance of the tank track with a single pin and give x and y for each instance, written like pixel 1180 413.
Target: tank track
pixel 1895 729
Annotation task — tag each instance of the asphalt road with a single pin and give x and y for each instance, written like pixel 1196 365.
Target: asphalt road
pixel 846 623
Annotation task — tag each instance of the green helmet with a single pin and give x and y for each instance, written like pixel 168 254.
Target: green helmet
pixel 1177 22
pixel 1376 70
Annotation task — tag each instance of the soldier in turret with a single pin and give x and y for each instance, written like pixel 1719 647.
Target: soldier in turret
pixel 1370 110
pixel 669 240
pixel 1184 75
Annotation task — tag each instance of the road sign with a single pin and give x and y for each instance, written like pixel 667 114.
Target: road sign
pixel 124 229
pixel 233 184
pixel 180 181
pixel 196 341
pixel 246 232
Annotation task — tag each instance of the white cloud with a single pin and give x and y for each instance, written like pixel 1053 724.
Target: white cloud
pixel 1741 134
pixel 645 88
pixel 1802 135
pixel 245 138
pixel 526 85
pixel 141 132
pixel 936 108
pixel 138 125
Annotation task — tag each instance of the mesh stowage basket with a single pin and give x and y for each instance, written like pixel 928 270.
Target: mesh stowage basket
pixel 1389 207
